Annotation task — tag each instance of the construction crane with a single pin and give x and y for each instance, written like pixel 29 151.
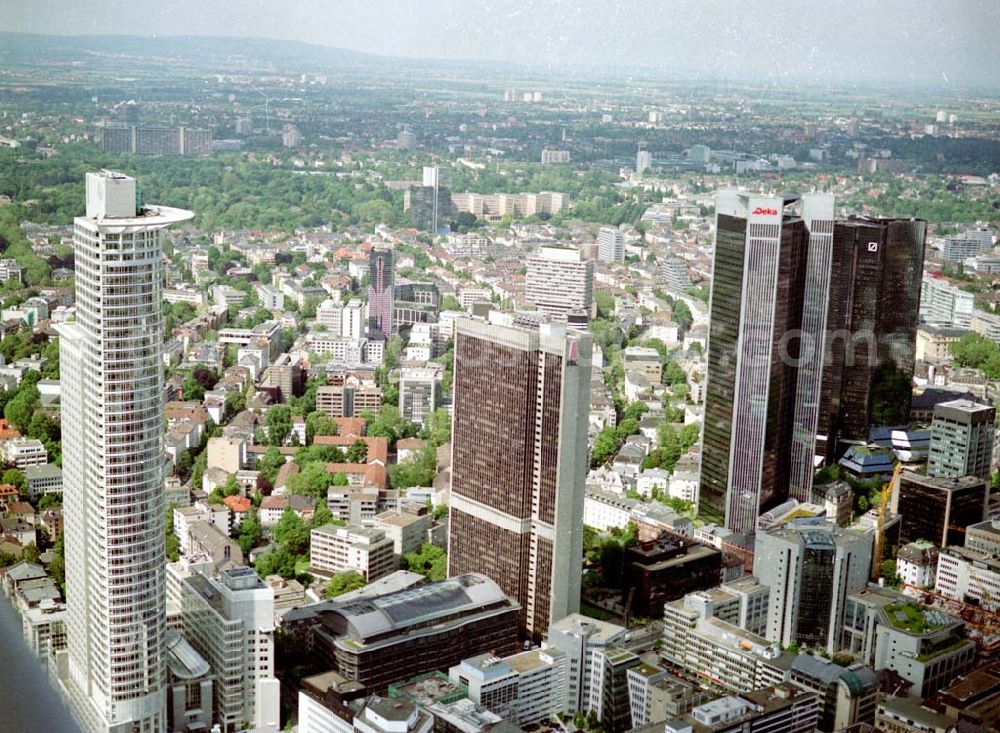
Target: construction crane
pixel 880 526
pixel 628 607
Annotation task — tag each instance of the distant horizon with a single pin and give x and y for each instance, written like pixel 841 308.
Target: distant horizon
pixel 919 42
pixel 644 72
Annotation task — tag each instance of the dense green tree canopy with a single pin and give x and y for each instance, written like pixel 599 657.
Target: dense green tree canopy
pixel 343 582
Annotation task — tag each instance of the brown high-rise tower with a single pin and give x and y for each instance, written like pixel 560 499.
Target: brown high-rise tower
pixel 519 463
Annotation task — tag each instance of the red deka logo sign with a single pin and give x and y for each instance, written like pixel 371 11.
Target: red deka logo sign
pixel 764 212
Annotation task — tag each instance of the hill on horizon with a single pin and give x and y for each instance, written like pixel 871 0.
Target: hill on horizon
pixel 232 50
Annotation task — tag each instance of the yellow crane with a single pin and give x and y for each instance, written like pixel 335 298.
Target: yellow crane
pixel 880 526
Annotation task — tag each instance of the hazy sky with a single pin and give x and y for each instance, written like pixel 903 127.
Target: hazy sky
pixel 944 41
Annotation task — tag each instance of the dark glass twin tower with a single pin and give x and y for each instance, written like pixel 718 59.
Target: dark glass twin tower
pixel 811 342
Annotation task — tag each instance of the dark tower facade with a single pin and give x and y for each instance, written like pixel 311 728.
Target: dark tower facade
pixel 872 328
pixel 756 308
pixel 519 463
pixel 939 509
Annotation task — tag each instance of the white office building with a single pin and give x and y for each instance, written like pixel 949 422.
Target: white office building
pixel 10 270
pixel 559 282
pixel 986 325
pixel 971 243
pixel 365 550
pixel 417 393
pixel 43 479
pixel 528 688
pixel 354 319
pixel 879 630
pixel 783 707
pixel 112 417
pixel 468 296
pixel 643 159
pixel 605 510
pixel 810 568
pixel 550 156
pixel 386 715
pixel 491 682
pixel 541 685
pixel 346 351
pixel 610 245
pixel 329 314
pixel 944 304
pixel 270 297
pixel 683 485
pixel 674 274
pixel 581 640
pixel 641 679
pixel 24 452
pixel 984 536
pixel 696 638
pixel 230 622
pixel 969 575
pixel 328 703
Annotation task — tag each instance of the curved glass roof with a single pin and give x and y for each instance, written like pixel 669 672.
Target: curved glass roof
pixel 373 616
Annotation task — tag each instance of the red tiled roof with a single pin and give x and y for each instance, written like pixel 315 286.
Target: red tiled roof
pixel 238 504
pixel 350 425
pixel 274 502
pixel 286 472
pixel 378 448
pixel 374 473
pixel 177 410
pixel 285 450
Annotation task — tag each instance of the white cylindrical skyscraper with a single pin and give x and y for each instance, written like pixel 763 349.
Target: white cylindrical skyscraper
pixel 112 372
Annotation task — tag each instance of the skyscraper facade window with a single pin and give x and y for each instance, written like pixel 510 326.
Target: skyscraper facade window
pixel 859 328
pixel 113 483
pixel 961 439
pixel 519 462
pixel 817 213
pixel 872 322
pixel 756 303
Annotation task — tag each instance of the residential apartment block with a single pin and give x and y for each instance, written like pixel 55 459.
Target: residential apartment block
pixel 366 550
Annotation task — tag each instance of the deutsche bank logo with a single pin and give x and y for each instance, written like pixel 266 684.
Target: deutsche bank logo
pixel 873 246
